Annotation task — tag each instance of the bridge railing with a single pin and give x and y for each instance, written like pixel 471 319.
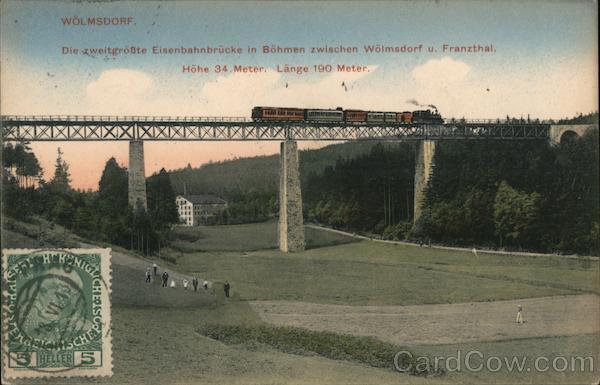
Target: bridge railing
pixel 116 118
pixel 497 121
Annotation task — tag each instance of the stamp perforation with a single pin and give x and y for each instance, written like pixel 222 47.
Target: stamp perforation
pixel 67 303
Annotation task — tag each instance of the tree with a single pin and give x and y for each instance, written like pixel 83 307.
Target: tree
pixel 21 164
pixel 111 205
pixel 18 202
pixel 161 200
pixel 514 212
pixel 84 221
pixel 61 181
pixel 31 169
pixel 63 211
pixel 112 198
pixel 57 195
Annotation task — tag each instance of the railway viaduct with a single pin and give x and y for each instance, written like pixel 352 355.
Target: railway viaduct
pixel 137 129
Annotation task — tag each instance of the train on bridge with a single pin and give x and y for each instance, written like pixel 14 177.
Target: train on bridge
pixel 286 114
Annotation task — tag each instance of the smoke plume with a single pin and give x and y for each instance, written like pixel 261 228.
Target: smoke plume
pixel 414 102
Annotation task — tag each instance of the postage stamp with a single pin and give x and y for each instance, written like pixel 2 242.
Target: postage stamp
pixel 56 313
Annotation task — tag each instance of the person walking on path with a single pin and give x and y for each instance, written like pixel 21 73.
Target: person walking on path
pixel 519 314
pixel 155 267
pixel 173 285
pixel 205 284
pixel 195 283
pixel 226 287
pixel 474 252
pixel 148 275
pixel 185 284
pixel 165 278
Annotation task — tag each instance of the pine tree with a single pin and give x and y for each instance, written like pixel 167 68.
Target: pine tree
pixel 112 196
pixel 61 182
pixel 161 200
pixel 111 205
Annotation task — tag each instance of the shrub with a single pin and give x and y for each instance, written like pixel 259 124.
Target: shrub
pixel 364 350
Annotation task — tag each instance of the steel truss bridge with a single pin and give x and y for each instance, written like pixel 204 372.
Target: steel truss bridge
pixel 114 128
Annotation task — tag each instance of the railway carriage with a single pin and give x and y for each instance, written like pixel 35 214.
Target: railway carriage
pixel 404 117
pixel 278 114
pixel 381 117
pixel 390 117
pixel 375 117
pixel 325 115
pixel 355 116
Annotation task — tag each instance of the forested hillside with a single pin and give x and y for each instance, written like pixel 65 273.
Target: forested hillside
pixel 250 185
pixel 103 215
pixel 372 192
pixel 516 195
pixel 259 173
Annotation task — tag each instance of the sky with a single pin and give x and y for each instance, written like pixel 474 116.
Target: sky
pixel 544 63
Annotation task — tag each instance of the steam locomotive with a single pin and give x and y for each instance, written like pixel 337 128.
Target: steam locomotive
pixel 284 114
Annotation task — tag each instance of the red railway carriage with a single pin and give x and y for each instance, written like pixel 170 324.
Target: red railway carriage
pixel 355 116
pixel 278 113
pixel 404 117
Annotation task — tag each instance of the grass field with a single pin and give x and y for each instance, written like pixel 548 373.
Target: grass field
pixel 373 273
pixel 160 345
pixel 525 351
pixel 248 237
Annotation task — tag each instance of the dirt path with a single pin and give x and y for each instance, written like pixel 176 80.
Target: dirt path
pixel 142 264
pixel 444 323
pixel 465 249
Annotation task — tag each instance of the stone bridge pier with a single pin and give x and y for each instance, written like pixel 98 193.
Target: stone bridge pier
pixel 137 176
pixel 425 149
pixel 291 226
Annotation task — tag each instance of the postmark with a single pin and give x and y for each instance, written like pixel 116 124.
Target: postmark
pixel 56 313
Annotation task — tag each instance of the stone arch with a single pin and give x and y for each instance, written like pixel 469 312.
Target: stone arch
pixel 568 137
pixel 564 132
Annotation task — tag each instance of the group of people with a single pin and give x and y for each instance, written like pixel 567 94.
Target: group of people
pixel 185 283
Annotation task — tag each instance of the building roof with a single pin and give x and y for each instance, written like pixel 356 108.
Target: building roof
pixel 204 199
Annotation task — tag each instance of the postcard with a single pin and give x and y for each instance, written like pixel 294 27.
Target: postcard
pixel 300 192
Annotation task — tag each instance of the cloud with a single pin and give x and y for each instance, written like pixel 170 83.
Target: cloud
pixel 441 72
pixel 120 90
pixel 119 80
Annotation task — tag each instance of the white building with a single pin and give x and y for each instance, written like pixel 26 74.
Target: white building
pixel 196 210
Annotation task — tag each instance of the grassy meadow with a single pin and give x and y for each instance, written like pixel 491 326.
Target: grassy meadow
pixel 343 270
pixel 160 345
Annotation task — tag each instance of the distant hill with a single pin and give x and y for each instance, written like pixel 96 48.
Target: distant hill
pixel 258 174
